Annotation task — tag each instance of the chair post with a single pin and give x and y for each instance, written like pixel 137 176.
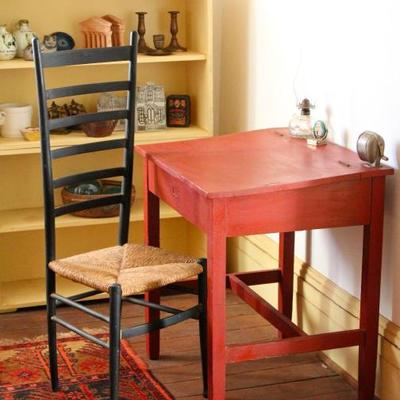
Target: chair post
pixel 115 337
pixel 202 289
pixel 52 328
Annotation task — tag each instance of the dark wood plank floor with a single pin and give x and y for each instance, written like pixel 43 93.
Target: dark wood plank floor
pixel 294 377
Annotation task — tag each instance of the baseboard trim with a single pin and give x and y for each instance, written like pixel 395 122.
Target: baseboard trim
pixel 320 305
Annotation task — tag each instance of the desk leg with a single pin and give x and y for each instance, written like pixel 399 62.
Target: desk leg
pixel 286 264
pixel 152 238
pixel 216 271
pixel 370 292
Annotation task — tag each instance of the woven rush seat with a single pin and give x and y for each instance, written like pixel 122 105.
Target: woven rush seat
pixel 136 268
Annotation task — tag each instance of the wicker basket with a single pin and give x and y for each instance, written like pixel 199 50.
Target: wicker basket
pixel 98 212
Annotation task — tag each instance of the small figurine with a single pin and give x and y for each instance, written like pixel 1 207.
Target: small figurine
pixel 56 111
pixel 371 148
pixel 76 108
pixel 320 134
pixel 49 43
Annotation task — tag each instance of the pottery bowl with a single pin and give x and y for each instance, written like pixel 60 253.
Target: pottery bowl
pixel 99 128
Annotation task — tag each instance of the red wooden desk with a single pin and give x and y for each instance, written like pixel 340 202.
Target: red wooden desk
pixel 261 182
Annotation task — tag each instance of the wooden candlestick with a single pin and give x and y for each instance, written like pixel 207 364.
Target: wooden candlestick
pixel 142 46
pixel 174 45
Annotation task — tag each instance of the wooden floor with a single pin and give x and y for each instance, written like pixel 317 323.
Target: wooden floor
pixel 283 378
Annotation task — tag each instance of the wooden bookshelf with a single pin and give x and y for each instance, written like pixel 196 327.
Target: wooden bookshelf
pixel 21 203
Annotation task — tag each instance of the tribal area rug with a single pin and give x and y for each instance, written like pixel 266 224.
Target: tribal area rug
pixel 83 372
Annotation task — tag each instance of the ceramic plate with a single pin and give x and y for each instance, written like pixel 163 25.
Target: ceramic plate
pixel 64 41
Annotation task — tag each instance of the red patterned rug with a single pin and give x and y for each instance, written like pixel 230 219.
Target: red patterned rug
pixel 83 370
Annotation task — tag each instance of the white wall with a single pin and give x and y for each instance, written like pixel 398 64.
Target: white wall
pixel 344 55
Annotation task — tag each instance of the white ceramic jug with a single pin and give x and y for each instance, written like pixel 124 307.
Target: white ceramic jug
pixel 13 118
pixel 23 36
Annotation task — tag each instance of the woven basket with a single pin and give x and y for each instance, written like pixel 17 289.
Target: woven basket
pixel 98 212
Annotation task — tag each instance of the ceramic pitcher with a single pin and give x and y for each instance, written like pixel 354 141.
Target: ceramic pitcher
pixel 8 46
pixel 23 36
pixel 13 118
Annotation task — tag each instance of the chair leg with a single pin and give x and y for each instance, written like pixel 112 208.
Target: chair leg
pixel 52 329
pixel 202 285
pixel 115 337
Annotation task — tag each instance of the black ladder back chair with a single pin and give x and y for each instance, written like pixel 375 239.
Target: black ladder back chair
pixel 119 278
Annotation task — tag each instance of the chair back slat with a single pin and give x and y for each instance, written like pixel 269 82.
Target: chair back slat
pixel 88 148
pixel 78 57
pixel 86 89
pixel 86 56
pixel 58 123
pixel 84 205
pixel 88 176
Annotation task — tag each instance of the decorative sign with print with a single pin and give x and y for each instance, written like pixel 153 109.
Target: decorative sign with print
pixel 150 107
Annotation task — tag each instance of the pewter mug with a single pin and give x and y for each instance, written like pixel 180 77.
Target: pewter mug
pixel 371 147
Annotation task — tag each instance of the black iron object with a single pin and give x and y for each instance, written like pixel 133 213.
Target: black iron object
pixel 92 56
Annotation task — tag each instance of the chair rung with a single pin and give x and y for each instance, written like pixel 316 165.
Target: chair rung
pixel 88 176
pixel 84 295
pixel 161 323
pixel 58 123
pixel 88 148
pixel 84 205
pixel 87 89
pixel 80 332
pixel 156 306
pixel 86 56
pixel 80 307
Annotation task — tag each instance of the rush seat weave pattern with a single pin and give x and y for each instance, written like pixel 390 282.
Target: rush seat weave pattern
pixel 136 268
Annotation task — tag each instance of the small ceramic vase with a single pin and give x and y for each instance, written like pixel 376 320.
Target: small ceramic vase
pixel 23 36
pixel 8 47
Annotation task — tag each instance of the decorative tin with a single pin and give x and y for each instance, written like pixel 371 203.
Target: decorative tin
pixel 150 107
pixel 178 110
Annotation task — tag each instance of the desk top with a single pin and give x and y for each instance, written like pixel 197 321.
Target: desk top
pixel 256 162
